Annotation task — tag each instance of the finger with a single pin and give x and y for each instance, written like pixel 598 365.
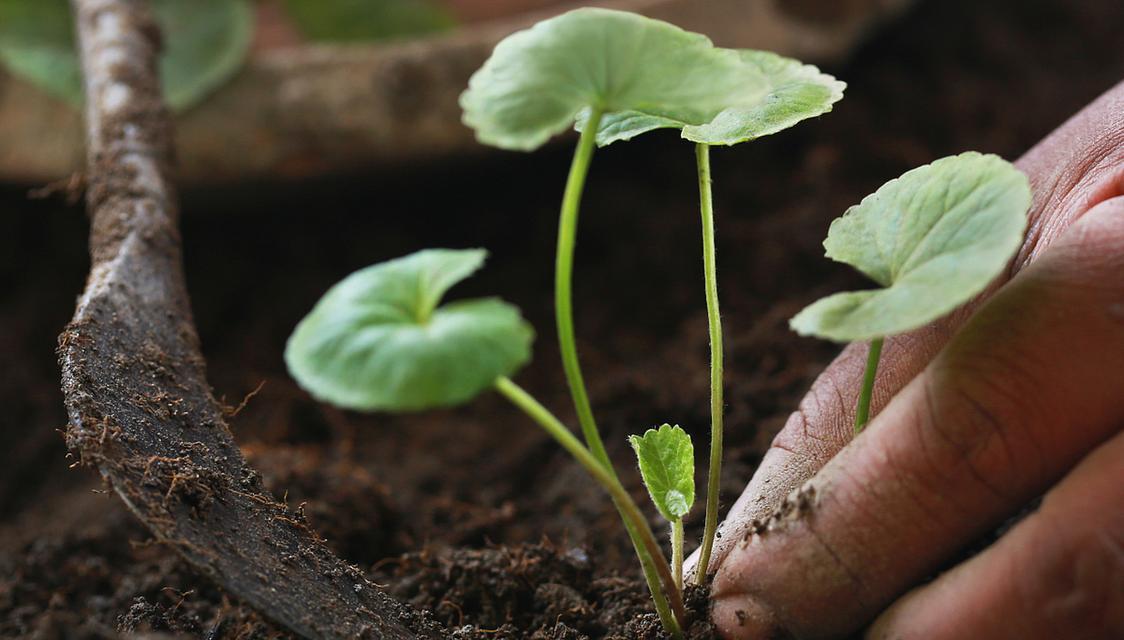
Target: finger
pixel 1012 403
pixel 822 424
pixel 1076 167
pixel 1057 574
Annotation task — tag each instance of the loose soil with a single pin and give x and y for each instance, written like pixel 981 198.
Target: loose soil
pixel 472 514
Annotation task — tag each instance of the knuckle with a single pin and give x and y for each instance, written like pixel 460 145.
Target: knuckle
pixel 1087 173
pixel 981 416
pixel 1085 263
pixel 814 428
pixel 1078 587
pixel 1100 233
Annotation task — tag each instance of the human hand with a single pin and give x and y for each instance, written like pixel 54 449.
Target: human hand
pixel 1019 394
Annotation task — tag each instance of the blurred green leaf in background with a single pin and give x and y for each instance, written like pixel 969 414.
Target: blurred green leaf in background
pixel 362 20
pixel 205 44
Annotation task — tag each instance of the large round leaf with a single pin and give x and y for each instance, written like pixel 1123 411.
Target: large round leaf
pixel 641 74
pixel 933 238
pixel 37 43
pixel 379 341
pixel 539 80
pixel 205 43
pixel 794 92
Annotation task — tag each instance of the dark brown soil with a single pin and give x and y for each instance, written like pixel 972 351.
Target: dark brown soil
pixel 472 514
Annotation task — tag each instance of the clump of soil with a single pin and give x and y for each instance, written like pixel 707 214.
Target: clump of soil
pixel 535 591
pixel 100 576
pixel 445 508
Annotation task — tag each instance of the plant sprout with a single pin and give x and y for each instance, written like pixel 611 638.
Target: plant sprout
pixel 614 76
pixel 667 465
pixel 380 340
pixel 933 238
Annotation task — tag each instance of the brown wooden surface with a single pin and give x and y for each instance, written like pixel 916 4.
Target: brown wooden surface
pixel 140 409
pixel 297 111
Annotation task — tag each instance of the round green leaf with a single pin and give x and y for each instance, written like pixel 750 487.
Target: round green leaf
pixel 642 74
pixel 796 92
pixel 379 341
pixel 933 238
pixel 539 80
pixel 37 43
pixel 364 20
pixel 667 465
pixel 205 42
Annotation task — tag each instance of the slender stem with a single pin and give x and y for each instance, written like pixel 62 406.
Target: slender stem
pixel 710 275
pixel 563 288
pixel 669 619
pixel 677 552
pixel 862 413
pixel 668 600
pixel 564 318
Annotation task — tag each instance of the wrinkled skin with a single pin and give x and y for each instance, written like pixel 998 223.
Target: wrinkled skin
pixel 1019 395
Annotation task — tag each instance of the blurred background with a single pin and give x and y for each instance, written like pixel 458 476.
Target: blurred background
pixel 310 147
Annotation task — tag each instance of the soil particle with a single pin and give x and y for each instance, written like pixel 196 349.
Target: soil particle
pixel 533 591
pixel 799 504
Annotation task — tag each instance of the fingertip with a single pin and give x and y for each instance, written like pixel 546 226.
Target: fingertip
pixel 886 625
pixel 737 612
pixel 739 616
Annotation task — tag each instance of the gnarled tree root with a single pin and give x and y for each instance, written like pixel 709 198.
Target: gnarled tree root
pixel 139 405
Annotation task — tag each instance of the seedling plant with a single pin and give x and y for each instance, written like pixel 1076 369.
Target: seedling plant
pixel 933 239
pixel 380 340
pixel 619 75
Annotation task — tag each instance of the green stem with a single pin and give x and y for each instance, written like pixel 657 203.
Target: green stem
pixel 564 318
pixel 862 413
pixel 710 275
pixel 668 618
pixel 677 553
pixel 668 600
pixel 563 287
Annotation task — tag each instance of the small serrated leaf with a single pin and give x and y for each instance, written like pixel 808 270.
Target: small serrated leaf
pixel 934 238
pixel 667 465
pixel 379 341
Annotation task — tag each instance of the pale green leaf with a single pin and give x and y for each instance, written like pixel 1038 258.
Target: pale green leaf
pixel 539 80
pixel 37 43
pixel 667 465
pixel 933 238
pixel 379 341
pixel 364 20
pixel 206 42
pixel 794 92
